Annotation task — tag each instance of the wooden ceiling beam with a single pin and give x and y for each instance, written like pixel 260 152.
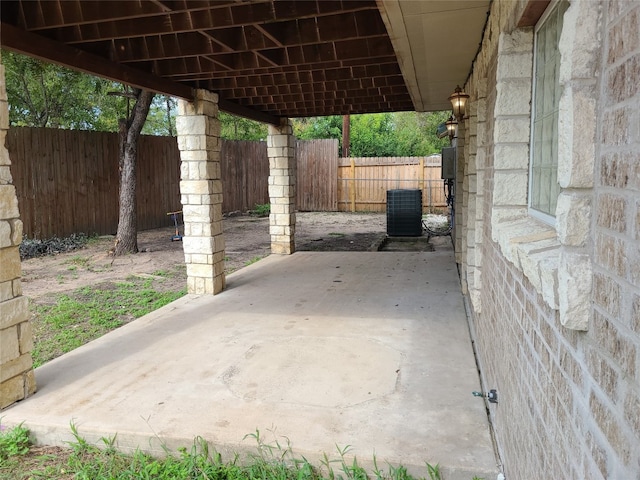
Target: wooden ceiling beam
pixel 532 12
pixel 33 45
pixel 64 13
pixel 17 40
pixel 51 14
pixel 321 108
pixel 167 60
pixel 193 43
pixel 356 91
pixel 122 19
pixel 265 58
pixel 154 25
pixel 159 47
pixel 267 35
pixel 359 96
pixel 366 76
pixel 296 9
pixel 242 111
pixel 187 67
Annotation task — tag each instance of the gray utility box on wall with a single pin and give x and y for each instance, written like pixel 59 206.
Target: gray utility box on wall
pixel 404 213
pixel 448 163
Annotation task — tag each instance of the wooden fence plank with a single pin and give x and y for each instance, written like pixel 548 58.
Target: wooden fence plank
pixel 245 173
pixel 317 170
pixel 365 189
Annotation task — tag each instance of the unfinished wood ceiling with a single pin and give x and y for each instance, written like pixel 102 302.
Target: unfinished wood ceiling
pixel 265 58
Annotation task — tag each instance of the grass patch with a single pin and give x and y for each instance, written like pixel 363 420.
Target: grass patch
pixel 271 461
pixel 78 261
pixel 162 273
pixel 252 261
pixel 13 442
pixel 261 210
pixel 71 320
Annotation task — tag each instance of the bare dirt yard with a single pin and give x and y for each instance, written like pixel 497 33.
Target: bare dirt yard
pixel 247 240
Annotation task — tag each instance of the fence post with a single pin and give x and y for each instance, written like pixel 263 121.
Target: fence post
pixel 352 190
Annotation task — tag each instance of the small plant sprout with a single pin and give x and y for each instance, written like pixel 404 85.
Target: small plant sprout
pixel 13 441
pixel 434 472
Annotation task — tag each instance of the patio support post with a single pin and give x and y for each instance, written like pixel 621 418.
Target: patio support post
pixel 198 128
pixel 17 380
pixel 282 187
pixel 460 220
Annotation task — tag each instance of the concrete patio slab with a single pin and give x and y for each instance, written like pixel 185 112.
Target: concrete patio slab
pixel 368 349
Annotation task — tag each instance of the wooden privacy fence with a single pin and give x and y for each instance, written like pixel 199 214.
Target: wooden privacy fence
pixel 67 181
pixel 244 168
pixel 363 182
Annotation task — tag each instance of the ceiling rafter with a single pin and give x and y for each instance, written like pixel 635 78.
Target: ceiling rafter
pixel 209 15
pixel 308 81
pixel 188 67
pixel 66 13
pixel 249 37
pixel 265 58
pixel 19 41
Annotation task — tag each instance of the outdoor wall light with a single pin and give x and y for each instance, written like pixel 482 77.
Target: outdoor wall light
pixel 451 124
pixel 458 100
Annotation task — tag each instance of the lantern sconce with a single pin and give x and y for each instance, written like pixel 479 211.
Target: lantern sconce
pixel 452 125
pixel 458 101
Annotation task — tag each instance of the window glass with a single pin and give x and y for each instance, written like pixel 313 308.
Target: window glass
pixel 544 158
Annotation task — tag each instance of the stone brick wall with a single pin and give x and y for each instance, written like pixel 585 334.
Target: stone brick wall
pixel 612 349
pixel 16 338
pixel 556 311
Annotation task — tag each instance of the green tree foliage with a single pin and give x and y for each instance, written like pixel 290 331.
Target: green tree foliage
pixel 47 95
pixel 416 133
pixel 161 119
pixel 373 135
pixel 380 134
pixel 318 127
pixel 238 128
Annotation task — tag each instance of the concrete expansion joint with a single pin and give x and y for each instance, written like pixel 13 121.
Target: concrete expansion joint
pixel 473 335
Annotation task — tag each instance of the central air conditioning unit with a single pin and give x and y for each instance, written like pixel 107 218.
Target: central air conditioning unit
pixel 404 213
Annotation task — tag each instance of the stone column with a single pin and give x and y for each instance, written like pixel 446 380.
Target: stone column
pixel 282 187
pixel 16 338
pixel 480 109
pixel 461 214
pixel 198 130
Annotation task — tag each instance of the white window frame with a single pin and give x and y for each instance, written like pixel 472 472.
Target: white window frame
pixel 537 214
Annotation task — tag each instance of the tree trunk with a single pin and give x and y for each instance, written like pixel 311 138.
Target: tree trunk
pixel 129 133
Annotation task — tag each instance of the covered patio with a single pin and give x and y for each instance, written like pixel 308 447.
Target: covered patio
pixel 368 349
pixel 546 228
